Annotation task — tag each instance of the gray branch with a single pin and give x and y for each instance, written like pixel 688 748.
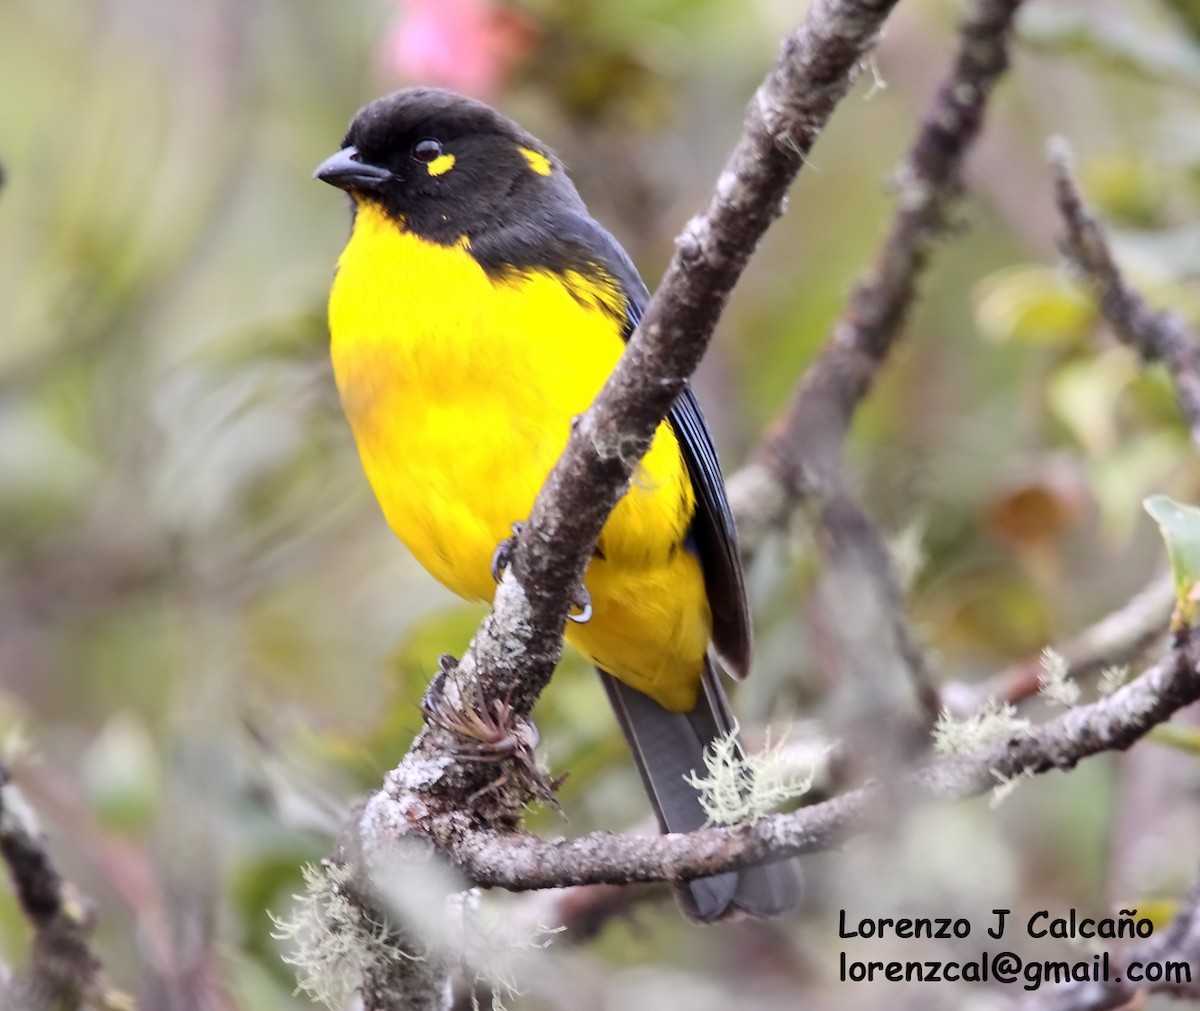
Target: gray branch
pixel 1156 336
pixel 519 861
pixel 801 460
pixel 64 972
pixel 804 448
pixel 1119 637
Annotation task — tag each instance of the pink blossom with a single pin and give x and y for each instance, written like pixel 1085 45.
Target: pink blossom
pixel 467 45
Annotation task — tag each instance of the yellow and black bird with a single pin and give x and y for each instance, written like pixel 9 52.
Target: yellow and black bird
pixel 476 310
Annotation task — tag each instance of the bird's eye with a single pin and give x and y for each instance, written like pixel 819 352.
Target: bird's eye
pixel 427 149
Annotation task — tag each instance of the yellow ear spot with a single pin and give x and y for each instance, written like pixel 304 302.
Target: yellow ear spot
pixel 537 161
pixel 441 164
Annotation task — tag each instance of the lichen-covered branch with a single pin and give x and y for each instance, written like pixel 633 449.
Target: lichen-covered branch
pixel 1156 336
pixel 64 972
pixel 518 861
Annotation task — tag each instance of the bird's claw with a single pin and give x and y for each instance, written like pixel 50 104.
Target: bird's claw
pixel 431 700
pixel 582 603
pixel 503 555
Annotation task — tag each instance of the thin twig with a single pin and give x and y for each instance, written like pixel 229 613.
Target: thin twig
pixel 805 444
pixel 1117 638
pixel 801 458
pixel 64 972
pixel 1155 335
pixel 518 861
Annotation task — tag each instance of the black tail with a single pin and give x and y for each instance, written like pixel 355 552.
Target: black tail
pixel 667 747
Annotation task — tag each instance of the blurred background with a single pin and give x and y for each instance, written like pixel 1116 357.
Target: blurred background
pixel 211 645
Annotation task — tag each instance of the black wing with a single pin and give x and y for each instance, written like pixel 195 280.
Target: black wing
pixel 712 528
pixel 716 537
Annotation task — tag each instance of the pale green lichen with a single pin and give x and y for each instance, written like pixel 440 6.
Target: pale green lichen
pixel 1054 682
pixel 333 942
pixel 993 723
pixel 1005 785
pixel 742 788
pixel 1113 678
pixel 906 548
pixel 878 83
pixel 492 953
pixel 16 747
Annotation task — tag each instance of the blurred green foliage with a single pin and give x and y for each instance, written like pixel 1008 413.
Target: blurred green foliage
pixel 1180 526
pixel 206 630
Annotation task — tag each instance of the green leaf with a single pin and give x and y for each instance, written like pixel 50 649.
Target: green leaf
pixel 1033 304
pixel 1186 739
pixel 1128 189
pixel 1084 393
pixel 1180 527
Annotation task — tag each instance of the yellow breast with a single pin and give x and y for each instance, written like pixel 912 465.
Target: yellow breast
pixel 460 390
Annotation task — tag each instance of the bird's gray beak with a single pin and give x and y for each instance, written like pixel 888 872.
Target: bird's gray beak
pixel 346 172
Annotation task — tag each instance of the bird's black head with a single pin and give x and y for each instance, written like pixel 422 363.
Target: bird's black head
pixel 446 166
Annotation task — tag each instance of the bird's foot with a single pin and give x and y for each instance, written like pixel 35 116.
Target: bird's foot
pixel 493 733
pixel 581 605
pixel 503 555
pixel 484 732
pixel 433 700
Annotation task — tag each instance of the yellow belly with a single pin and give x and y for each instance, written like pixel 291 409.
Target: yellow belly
pixel 460 392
